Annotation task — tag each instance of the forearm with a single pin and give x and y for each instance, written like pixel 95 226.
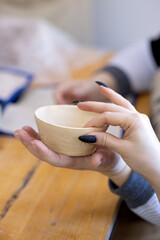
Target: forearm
pixel 151 170
pixel 120 178
pixel 157 190
pixel 154 180
pixel 140 197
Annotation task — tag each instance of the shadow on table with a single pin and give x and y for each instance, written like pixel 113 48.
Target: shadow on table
pixel 130 227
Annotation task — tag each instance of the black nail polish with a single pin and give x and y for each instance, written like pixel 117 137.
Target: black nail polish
pixel 76 102
pixel 88 139
pixel 101 84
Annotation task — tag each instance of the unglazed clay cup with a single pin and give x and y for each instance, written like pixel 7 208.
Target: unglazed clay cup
pixel 60 126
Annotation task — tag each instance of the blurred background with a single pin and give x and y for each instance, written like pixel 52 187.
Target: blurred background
pixel 60 40
pixel 53 40
pixel 102 23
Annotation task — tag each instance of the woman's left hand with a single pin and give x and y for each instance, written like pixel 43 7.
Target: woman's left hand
pixel 139 146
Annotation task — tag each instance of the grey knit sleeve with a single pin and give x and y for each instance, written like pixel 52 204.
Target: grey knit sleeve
pixel 135 191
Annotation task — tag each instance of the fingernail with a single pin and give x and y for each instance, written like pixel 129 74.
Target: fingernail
pixel 76 102
pixel 17 136
pixel 88 139
pixel 101 84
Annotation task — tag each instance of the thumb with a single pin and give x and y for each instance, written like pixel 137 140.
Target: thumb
pixel 103 139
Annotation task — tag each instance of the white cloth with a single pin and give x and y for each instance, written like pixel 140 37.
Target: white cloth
pixel 138 64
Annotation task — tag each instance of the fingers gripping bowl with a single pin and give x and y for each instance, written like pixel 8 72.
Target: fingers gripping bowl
pixel 60 126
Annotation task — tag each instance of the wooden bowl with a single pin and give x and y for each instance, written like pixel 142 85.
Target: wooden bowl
pixel 60 126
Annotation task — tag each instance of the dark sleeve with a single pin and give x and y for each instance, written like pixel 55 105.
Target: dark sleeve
pixel 122 79
pixel 155 48
pixel 136 191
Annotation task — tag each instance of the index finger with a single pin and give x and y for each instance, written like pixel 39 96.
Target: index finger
pixel 99 107
pixel 116 98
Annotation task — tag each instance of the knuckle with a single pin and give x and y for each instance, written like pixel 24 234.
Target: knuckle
pixel 136 116
pixel 104 140
pixel 140 117
pixel 145 116
pixel 105 115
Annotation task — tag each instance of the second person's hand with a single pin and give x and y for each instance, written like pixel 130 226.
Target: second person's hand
pixel 84 90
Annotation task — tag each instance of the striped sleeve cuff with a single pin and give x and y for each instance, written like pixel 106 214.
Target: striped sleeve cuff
pixel 136 191
pixel 150 211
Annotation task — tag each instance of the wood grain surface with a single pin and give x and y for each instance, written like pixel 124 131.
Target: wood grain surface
pixel 41 202
pixel 38 201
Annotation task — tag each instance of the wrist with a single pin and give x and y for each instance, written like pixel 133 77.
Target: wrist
pixel 120 178
pixel 154 179
pixel 151 170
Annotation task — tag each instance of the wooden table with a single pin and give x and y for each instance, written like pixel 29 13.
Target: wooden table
pixel 41 202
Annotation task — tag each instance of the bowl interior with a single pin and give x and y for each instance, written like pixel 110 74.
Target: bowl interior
pixel 64 115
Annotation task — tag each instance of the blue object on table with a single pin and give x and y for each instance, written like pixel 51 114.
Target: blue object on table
pixel 16 92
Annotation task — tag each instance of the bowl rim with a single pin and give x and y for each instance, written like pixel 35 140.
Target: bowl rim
pixel 61 126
